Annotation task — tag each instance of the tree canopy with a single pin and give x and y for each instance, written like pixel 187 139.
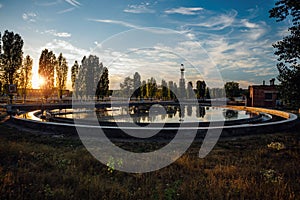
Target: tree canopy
pixel 74 73
pixel 47 63
pixel 25 76
pixel 103 85
pixel 288 50
pixel 61 74
pixel 137 85
pixel 232 89
pixel 11 56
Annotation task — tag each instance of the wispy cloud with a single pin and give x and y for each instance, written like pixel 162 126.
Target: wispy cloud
pixel 57 34
pixel 248 24
pixel 46 3
pixel 184 10
pixel 66 10
pixel 73 3
pixel 141 8
pixel 252 31
pixel 1 5
pixel 117 22
pixel 217 22
pixel 253 12
pixel 261 71
pixel 29 17
pixel 282 32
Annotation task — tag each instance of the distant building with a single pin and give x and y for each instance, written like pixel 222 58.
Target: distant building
pixel 263 95
pixel 38 93
pixel 182 90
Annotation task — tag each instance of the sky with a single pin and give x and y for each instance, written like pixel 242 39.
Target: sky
pixel 216 40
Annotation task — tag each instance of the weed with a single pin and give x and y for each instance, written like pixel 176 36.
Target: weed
pixel 276 145
pixel 112 163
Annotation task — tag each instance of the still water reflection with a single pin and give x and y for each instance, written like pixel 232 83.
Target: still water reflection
pixel 166 114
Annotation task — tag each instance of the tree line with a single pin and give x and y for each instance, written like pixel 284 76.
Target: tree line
pixel 16 70
pixel 134 87
pixel 89 79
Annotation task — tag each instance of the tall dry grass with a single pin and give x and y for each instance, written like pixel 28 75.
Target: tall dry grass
pixel 43 167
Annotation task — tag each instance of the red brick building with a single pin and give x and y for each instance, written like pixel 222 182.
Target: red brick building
pixel 263 95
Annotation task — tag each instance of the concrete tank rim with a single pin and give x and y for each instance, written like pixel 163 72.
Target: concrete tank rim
pixel 292 117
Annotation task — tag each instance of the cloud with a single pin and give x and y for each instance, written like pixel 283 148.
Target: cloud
pixel 262 71
pixel 70 51
pixel 253 31
pixel 57 34
pixel 73 3
pixel 1 6
pixel 216 22
pixel 244 83
pixel 66 10
pixel 253 12
pixel 248 24
pixel 184 10
pixel 137 9
pixel 122 23
pixel 282 32
pixel 43 3
pixel 63 34
pixel 29 17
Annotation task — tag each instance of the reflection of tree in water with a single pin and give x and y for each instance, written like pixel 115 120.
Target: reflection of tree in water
pixel 189 110
pixel 181 110
pixel 229 114
pixel 171 111
pixel 200 111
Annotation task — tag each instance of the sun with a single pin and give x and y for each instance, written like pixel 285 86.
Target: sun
pixel 37 82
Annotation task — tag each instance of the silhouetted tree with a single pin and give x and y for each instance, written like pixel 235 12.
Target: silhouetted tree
pixel 232 89
pixel 207 94
pixel 190 90
pixel 164 85
pixel 103 85
pixel 288 50
pixel 200 89
pixel 144 89
pixel 152 87
pixel 127 86
pixel 74 73
pixel 25 76
pixel 88 76
pixel 171 91
pixel 61 74
pixel 136 85
pixel 11 57
pixel 47 63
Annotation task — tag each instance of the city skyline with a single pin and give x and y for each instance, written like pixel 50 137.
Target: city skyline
pixel 238 37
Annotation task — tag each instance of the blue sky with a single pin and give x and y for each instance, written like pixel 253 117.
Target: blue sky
pixel 236 35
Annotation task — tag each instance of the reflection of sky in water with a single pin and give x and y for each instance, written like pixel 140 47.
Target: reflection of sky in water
pixel 173 114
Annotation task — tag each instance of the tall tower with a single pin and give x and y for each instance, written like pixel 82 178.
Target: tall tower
pixel 182 91
pixel 182 72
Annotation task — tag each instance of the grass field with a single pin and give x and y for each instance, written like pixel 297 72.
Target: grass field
pixel 45 167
